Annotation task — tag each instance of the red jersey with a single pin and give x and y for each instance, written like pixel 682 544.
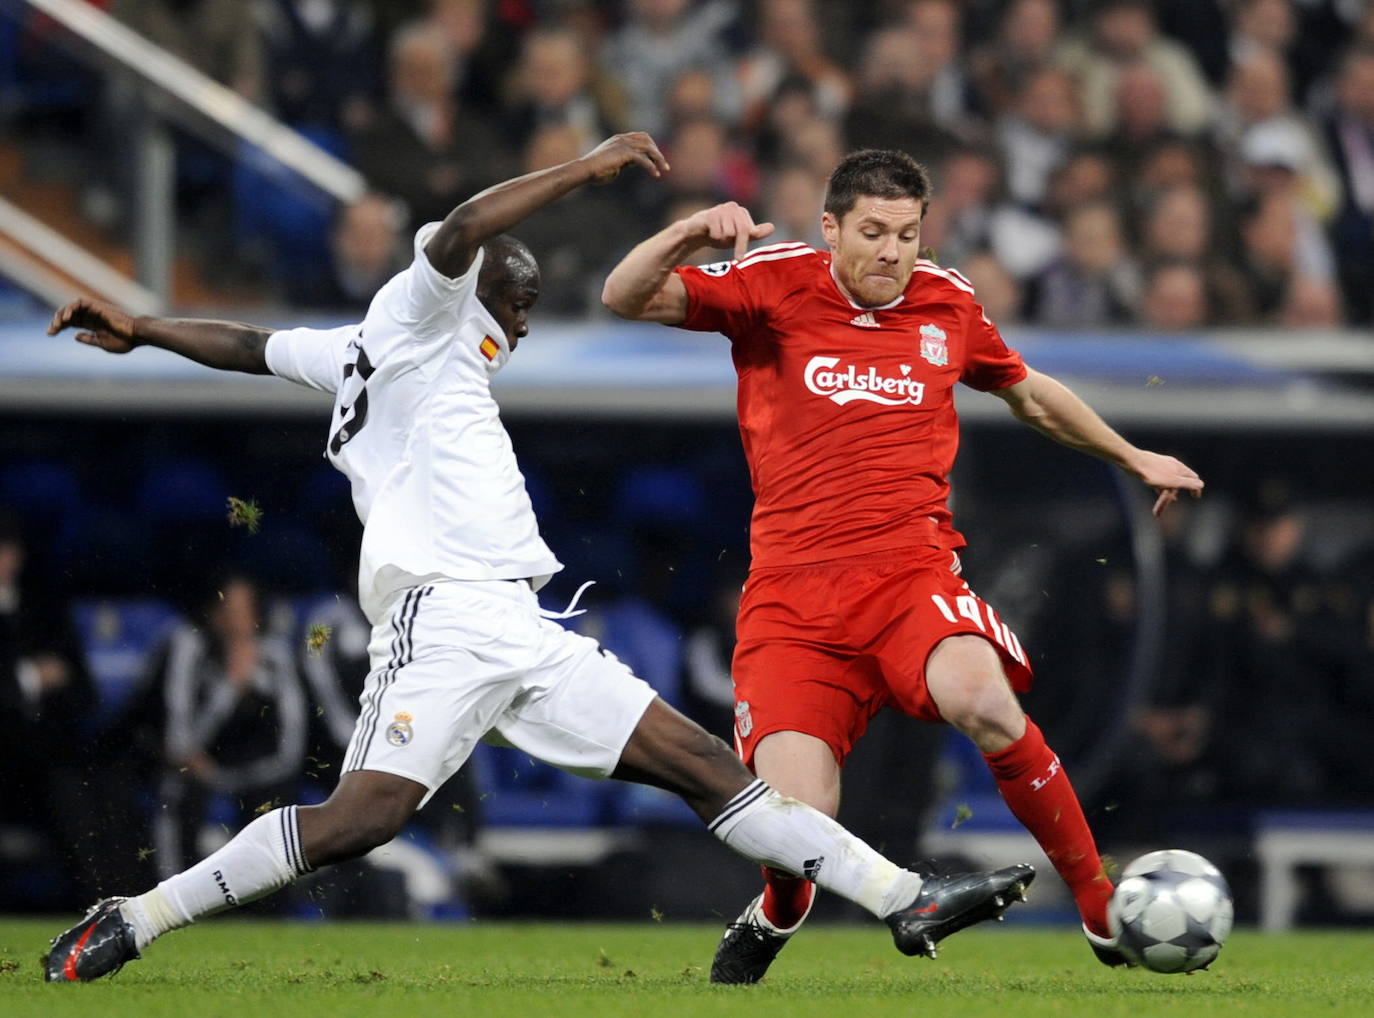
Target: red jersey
pixel 846 413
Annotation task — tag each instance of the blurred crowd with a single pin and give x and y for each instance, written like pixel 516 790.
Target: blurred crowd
pixel 1162 164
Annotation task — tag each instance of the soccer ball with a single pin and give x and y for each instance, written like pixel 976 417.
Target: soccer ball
pixel 1171 912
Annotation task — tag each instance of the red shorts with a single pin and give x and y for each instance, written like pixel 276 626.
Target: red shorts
pixel 823 648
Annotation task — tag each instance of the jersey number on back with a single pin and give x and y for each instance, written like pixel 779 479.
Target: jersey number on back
pixel 352 423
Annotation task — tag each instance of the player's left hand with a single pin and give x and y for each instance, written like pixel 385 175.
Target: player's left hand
pixel 1168 476
pixel 620 150
pixel 98 323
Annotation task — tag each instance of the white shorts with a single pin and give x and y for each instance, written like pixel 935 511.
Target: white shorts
pixel 455 662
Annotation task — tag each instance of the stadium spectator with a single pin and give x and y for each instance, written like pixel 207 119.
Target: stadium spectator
pixel 960 223
pixel 1175 298
pixel 1267 609
pixel 365 248
pixel 1278 247
pixel 705 162
pixel 1311 304
pixel 894 99
pixel 1025 42
pixel 817 144
pixel 692 95
pixel 793 202
pixel 324 56
pixel 1258 126
pixel 47 714
pixel 1141 112
pixel 936 24
pixel 1180 226
pixel 1094 284
pixel 1349 132
pixel 1123 33
pixel 660 42
pixel 482 36
pixel 235 721
pixel 790 47
pixel 556 83
pixel 1038 134
pixel 997 289
pixel 425 148
pixel 1170 162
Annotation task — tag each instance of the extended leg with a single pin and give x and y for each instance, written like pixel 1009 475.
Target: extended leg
pixel 965 679
pixel 367 809
pixel 671 752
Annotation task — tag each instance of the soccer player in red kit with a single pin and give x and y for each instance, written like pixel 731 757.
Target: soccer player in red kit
pixel 847 361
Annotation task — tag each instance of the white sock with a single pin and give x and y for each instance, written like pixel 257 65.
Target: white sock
pixel 263 857
pixel 789 835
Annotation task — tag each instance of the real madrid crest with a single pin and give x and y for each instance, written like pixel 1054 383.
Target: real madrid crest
pixel 399 732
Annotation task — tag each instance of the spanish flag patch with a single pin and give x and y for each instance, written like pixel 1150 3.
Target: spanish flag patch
pixel 489 348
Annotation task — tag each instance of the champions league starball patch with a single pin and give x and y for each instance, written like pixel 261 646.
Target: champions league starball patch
pixel 399 732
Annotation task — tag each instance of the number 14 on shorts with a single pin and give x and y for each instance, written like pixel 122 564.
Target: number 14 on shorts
pixel 981 615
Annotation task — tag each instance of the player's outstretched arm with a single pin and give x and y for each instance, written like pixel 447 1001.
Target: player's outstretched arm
pixel 644 288
pixel 497 209
pixel 1051 407
pixel 229 346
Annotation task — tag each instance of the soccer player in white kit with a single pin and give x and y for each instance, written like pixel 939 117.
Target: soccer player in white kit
pixel 450 562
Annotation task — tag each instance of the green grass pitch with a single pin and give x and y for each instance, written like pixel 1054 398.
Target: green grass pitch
pixel 241 969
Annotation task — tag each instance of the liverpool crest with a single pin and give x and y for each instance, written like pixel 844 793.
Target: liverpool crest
pixel 933 348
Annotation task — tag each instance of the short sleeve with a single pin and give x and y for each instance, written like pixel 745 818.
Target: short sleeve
pixel 426 292
pixel 313 357
pixel 720 298
pixel 421 305
pixel 989 364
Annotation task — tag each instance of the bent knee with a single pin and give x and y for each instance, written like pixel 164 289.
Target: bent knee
pixel 967 684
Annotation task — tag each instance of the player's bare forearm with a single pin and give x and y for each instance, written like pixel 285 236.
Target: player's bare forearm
pixel 643 287
pixel 1054 410
pixel 1051 408
pixel 499 208
pixel 229 346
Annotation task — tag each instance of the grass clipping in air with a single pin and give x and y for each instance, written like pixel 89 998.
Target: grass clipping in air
pixel 245 513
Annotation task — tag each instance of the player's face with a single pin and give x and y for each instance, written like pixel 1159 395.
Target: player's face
pixel 875 247
pixel 511 309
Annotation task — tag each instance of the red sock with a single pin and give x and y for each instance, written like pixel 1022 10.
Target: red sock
pixel 785 898
pixel 1039 794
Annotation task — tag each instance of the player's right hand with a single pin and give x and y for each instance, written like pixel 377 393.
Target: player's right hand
pixel 100 324
pixel 726 225
pixel 620 150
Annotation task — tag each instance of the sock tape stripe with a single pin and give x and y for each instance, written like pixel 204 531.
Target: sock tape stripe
pixel 744 800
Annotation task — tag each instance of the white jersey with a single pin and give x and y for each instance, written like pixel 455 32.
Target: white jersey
pixel 417 433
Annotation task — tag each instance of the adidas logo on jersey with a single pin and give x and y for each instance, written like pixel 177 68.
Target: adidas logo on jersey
pixel 865 320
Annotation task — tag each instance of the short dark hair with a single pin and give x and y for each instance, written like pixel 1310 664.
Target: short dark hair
pixel 508 261
pixel 879 173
